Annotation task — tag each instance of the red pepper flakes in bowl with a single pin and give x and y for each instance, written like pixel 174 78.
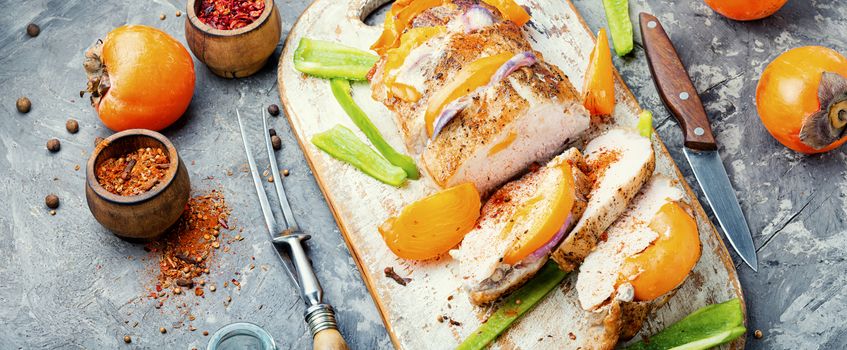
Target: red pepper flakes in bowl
pixel 230 14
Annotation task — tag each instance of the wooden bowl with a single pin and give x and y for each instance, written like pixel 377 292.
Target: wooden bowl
pixel 233 53
pixel 147 215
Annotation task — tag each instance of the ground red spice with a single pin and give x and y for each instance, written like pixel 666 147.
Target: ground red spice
pixel 600 164
pixel 186 248
pixel 230 14
pixel 134 173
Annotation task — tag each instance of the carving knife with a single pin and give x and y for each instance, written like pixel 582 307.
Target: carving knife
pixel 701 150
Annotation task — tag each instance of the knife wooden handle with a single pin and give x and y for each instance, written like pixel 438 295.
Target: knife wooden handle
pixel 674 85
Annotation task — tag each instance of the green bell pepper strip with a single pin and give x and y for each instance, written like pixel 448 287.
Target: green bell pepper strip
pixel 326 59
pixel 341 143
pixel 617 14
pixel 341 90
pixel 645 123
pixel 705 328
pixel 511 309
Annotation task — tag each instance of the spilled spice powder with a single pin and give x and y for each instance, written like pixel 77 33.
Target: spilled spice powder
pixel 187 246
pixel 134 173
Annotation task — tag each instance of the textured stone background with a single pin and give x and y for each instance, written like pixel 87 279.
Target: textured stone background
pixel 67 283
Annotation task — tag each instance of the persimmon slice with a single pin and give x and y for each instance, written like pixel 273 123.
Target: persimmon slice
pixel 472 76
pixel 395 58
pixel 599 87
pixel 431 226
pixel 539 219
pixel 664 264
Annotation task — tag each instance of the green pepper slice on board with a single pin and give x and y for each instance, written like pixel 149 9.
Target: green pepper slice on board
pixel 341 143
pixel 620 26
pixel 341 91
pixel 512 309
pixel 326 59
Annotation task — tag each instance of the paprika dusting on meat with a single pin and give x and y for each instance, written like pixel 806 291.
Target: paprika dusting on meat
pixel 134 173
pixel 230 14
pixel 187 246
pixel 599 164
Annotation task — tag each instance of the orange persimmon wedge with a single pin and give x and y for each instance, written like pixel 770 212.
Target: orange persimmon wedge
pixel 395 57
pixel 548 210
pixel 669 259
pixel 472 76
pixel 398 19
pixel 510 10
pixel 598 94
pixel 431 226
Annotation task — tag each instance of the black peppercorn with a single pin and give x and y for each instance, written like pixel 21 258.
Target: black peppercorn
pixel 276 142
pixel 53 145
pixel 23 105
pixel 33 30
pixel 72 125
pixel 52 201
pixel 273 110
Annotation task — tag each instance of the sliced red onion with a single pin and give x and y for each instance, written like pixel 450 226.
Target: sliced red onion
pixel 476 18
pixel 448 113
pixel 523 59
pixel 547 248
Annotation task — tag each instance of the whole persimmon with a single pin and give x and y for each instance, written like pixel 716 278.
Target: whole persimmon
pixel 746 10
pixel 802 99
pixel 139 77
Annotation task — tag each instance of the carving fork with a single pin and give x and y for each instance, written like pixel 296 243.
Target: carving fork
pixel 320 316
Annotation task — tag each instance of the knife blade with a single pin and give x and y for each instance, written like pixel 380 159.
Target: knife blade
pixel 701 150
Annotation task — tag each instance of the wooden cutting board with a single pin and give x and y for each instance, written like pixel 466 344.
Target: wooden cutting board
pixel 360 203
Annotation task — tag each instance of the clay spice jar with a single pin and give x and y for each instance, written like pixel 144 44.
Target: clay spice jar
pixel 133 173
pixel 234 38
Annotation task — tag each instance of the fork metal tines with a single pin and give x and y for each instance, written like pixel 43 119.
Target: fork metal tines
pixel 267 213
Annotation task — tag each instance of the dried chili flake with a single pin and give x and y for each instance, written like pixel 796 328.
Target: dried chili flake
pixel 134 173
pixel 230 14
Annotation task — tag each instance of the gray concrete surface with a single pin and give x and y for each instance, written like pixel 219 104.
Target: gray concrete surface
pixel 67 283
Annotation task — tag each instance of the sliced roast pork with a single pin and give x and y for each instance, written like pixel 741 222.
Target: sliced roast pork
pixel 620 162
pixel 607 284
pixel 507 217
pixel 528 111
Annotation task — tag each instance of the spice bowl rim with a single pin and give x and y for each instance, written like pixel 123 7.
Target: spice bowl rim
pixel 195 21
pixel 170 175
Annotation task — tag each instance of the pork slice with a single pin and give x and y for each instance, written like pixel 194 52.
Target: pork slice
pixel 597 287
pixel 480 255
pixel 620 163
pixel 528 116
pixel 628 236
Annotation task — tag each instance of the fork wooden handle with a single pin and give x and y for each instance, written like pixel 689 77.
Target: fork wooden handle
pixel 329 339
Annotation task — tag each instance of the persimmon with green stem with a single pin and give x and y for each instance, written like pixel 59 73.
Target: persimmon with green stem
pixel 802 99
pixel 139 77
